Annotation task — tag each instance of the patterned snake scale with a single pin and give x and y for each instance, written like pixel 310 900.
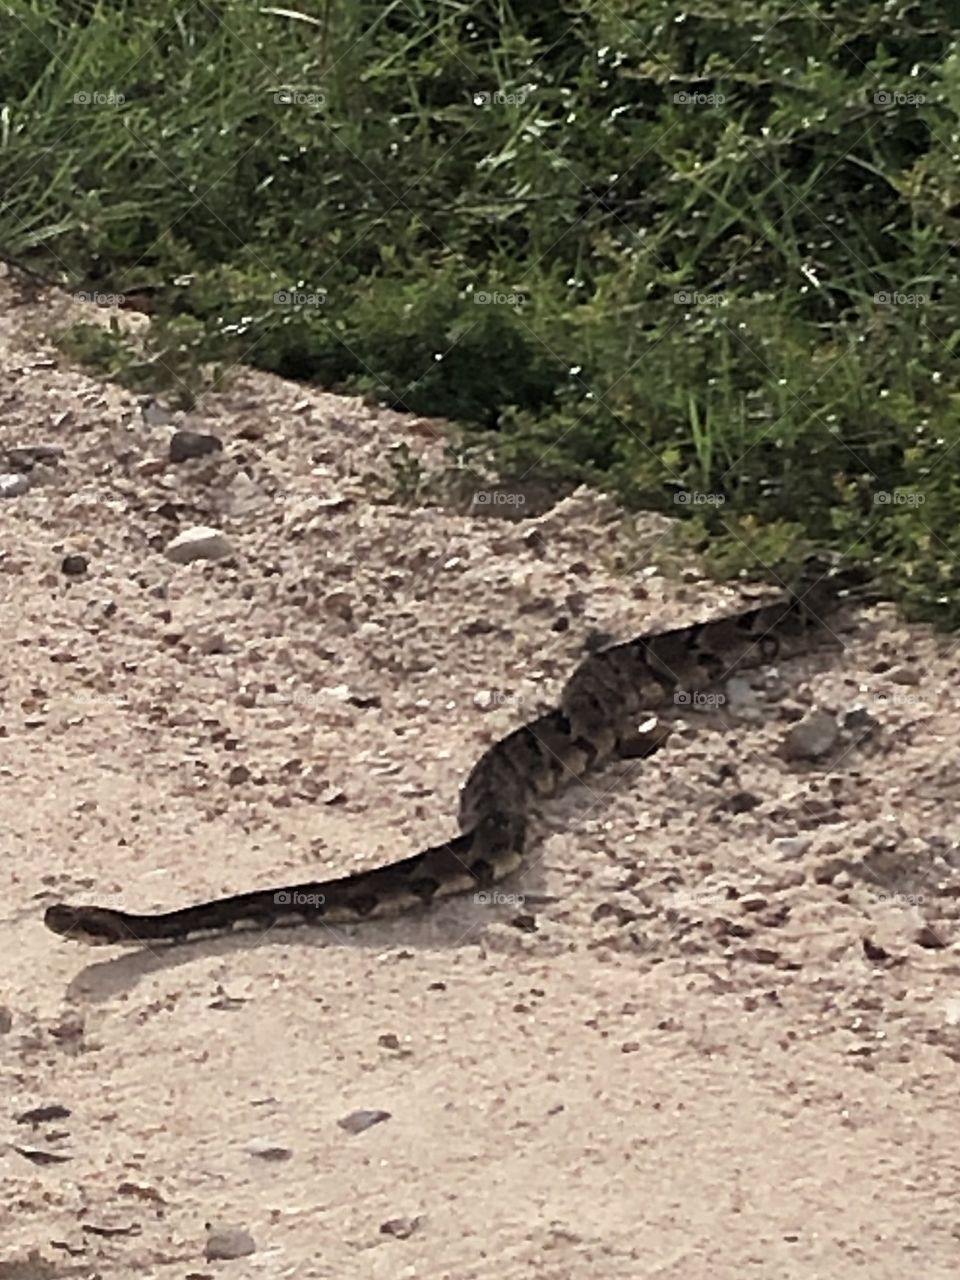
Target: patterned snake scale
pixel 597 718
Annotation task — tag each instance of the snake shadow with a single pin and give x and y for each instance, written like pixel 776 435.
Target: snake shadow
pixel 448 925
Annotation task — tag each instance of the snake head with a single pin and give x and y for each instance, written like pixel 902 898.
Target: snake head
pixel 94 925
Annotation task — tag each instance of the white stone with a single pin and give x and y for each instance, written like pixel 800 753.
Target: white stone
pixel 789 847
pixel 12 485
pixel 198 543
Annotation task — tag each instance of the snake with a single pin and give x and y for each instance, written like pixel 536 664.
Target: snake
pixel 598 717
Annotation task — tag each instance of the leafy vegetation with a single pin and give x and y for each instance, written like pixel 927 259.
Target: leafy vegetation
pixel 702 255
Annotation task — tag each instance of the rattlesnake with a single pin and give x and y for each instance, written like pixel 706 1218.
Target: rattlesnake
pixel 596 718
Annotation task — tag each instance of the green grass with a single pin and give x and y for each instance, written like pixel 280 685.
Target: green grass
pixel 722 237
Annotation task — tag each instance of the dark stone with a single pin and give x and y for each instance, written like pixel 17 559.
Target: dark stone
pixel 358 1121
pixel 74 566
pixel 193 444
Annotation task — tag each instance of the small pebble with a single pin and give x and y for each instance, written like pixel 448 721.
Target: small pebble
pixel 401 1228
pixel 753 902
pixel 209 642
pixel 742 802
pixel 789 847
pixel 155 414
pixel 267 1150
pixel 225 1243
pixel 74 566
pixel 358 1121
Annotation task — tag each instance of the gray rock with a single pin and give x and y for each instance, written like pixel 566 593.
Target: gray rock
pixel 245 497
pixel 268 1150
pixel 358 1121
pixel 209 642
pixel 785 878
pixel 813 737
pixel 339 603
pixel 155 414
pixel 741 694
pixel 198 543
pixel 905 675
pixel 932 939
pixel 225 1243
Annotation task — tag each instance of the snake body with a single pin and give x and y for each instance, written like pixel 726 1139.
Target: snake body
pixel 596 719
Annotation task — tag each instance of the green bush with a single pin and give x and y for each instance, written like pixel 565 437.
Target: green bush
pixel 720 239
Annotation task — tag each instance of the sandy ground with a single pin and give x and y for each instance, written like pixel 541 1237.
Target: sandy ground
pixel 720 1037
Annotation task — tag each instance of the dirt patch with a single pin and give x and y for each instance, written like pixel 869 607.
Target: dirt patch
pixel 726 1043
